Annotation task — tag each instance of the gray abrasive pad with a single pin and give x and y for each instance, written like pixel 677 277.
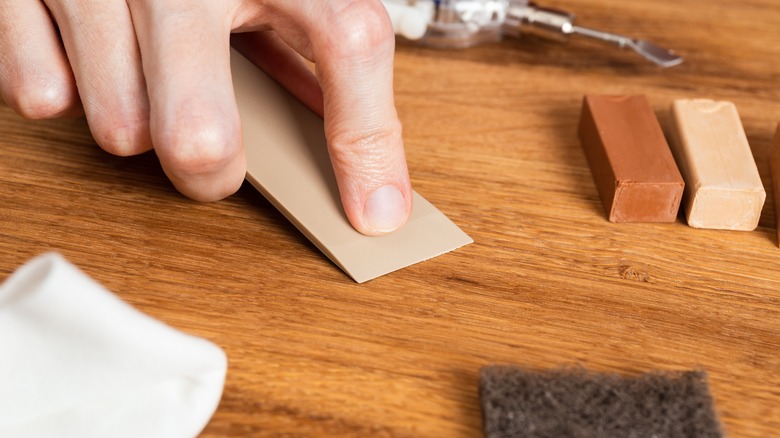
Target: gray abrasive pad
pixel 577 403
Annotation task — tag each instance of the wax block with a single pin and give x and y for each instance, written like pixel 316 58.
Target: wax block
pixel 632 166
pixel 775 166
pixel 723 188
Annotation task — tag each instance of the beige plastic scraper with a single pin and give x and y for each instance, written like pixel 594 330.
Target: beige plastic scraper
pixel 287 161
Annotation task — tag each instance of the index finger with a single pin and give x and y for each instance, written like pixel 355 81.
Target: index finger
pixel 352 44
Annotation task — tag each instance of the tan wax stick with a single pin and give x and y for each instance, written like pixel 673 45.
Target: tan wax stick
pixel 775 166
pixel 287 160
pixel 722 185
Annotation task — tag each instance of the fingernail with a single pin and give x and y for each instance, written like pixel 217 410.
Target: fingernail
pixel 385 209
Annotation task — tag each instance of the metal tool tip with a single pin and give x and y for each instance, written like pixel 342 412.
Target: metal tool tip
pixel 659 55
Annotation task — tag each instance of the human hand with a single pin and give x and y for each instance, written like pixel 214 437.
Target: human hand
pixel 156 74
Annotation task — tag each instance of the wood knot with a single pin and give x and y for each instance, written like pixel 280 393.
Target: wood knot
pixel 632 273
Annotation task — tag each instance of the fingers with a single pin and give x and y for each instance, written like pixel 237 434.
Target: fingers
pixel 35 78
pixel 100 43
pixel 194 120
pixel 179 96
pixel 352 43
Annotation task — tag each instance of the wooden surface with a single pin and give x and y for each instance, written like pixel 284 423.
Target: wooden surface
pixel 491 140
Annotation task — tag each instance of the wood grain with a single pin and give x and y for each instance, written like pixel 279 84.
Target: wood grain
pixel 491 140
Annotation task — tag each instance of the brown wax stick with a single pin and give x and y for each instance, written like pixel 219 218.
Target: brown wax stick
pixel 723 188
pixel 287 161
pixel 632 166
pixel 775 166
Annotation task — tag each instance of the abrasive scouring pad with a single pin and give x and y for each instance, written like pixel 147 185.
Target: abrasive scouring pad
pixel 573 402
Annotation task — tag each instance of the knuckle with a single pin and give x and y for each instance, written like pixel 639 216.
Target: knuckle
pixel 199 148
pixel 122 136
pixel 367 151
pixel 40 101
pixel 360 27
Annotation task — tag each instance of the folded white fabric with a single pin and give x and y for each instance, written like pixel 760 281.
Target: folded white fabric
pixel 76 361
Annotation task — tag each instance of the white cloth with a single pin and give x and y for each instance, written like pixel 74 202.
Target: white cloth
pixel 76 361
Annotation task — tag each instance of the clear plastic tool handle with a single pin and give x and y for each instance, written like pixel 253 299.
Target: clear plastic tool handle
pixel 466 23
